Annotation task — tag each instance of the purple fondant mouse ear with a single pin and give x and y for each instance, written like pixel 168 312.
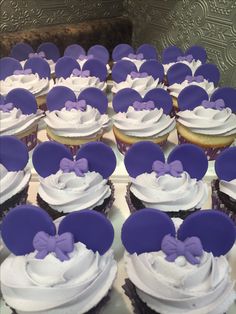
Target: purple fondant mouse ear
pixel 95 98
pixel 153 68
pixel 38 65
pixel 140 157
pixel 161 99
pixel 99 52
pixel 144 230
pixel 96 68
pixel 101 158
pixel 2 100
pixel 177 73
pixel 170 54
pixel 51 51
pixel 22 99
pixel 121 69
pixel 8 66
pixel 9 145
pixel 191 97
pixel 214 228
pixel 21 225
pixel 90 228
pixel 74 51
pixel 225 164
pixel 125 98
pixel 198 53
pixel 210 72
pixel 57 97
pixel 121 51
pixel 193 159
pixel 21 51
pixel 228 94
pixel 65 66
pixel 47 156
pixel 149 52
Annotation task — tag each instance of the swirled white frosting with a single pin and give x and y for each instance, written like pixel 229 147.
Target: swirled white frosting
pixel 78 83
pixel 14 121
pixel 77 123
pixel 144 123
pixel 32 82
pixel 50 62
pixel 193 65
pixel 180 287
pixel 12 182
pixel 169 193
pixel 66 192
pixel 141 85
pixel 209 121
pixel 49 286
pixel 228 187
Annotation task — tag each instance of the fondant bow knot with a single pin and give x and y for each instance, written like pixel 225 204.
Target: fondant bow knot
pixel 219 104
pixel 80 166
pixel 84 57
pixel 40 54
pixel 77 72
pixel 188 58
pixel 61 245
pixel 191 248
pixel 138 105
pixel 197 79
pixel 79 105
pixel 22 72
pixel 175 168
pixel 134 74
pixel 134 56
pixel 6 107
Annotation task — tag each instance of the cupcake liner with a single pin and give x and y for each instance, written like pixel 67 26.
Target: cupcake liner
pixel 41 102
pixel 29 139
pixel 103 208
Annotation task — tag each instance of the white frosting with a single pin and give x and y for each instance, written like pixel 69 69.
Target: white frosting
pixel 169 193
pixel 50 62
pixel 144 123
pixel 228 187
pixel 180 287
pixel 12 182
pixel 209 121
pixel 77 123
pixel 138 63
pixel 193 65
pixel 141 85
pixel 66 192
pixel 32 82
pixel 49 286
pixel 14 121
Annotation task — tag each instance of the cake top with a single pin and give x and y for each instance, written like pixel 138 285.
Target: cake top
pixel 225 164
pixel 143 52
pixel 175 54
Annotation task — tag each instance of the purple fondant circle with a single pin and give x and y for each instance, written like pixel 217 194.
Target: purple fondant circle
pixel 228 94
pixel 65 66
pixel 57 97
pixel 22 99
pixel 154 69
pixel 99 52
pixel 74 51
pixel 39 66
pixel 95 98
pixel 125 98
pixel 21 51
pixel 170 54
pixel 96 68
pixel 198 53
pixel 121 51
pixel 8 66
pixel 51 51
pixel 121 69
pixel 191 96
pixel 177 73
pixel 225 164
pixel 210 72
pixel 161 98
pixel 149 52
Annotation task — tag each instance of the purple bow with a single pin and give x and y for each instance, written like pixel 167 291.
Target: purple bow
pixel 190 249
pixel 197 79
pixel 77 72
pixel 80 166
pixel 134 74
pixel 188 58
pixel 149 105
pixel 175 168
pixel 22 72
pixel 138 56
pixel 7 107
pixel 61 245
pixel 78 105
pixel 84 57
pixel 41 54
pixel 219 104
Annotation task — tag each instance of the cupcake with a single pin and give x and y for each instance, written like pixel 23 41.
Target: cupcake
pixel 224 187
pixel 70 184
pixel 126 75
pixel 208 124
pixel 35 77
pixel 183 272
pixel 174 187
pixel 14 173
pixel 138 119
pixel 64 269
pixel 75 121
pixel 69 73
pixel 19 116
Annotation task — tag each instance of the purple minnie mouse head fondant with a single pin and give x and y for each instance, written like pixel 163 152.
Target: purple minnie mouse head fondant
pixel 174 54
pixel 225 164
pixel 144 52
pixel 28 228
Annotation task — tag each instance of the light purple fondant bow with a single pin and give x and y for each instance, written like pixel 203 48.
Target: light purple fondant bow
pixel 78 105
pixel 188 58
pixel 149 105
pixel 191 248
pixel 61 245
pixel 22 72
pixel 219 104
pixel 134 74
pixel 197 79
pixel 134 56
pixel 84 57
pixel 80 166
pixel 7 107
pixel 175 168
pixel 77 72
pixel 40 54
